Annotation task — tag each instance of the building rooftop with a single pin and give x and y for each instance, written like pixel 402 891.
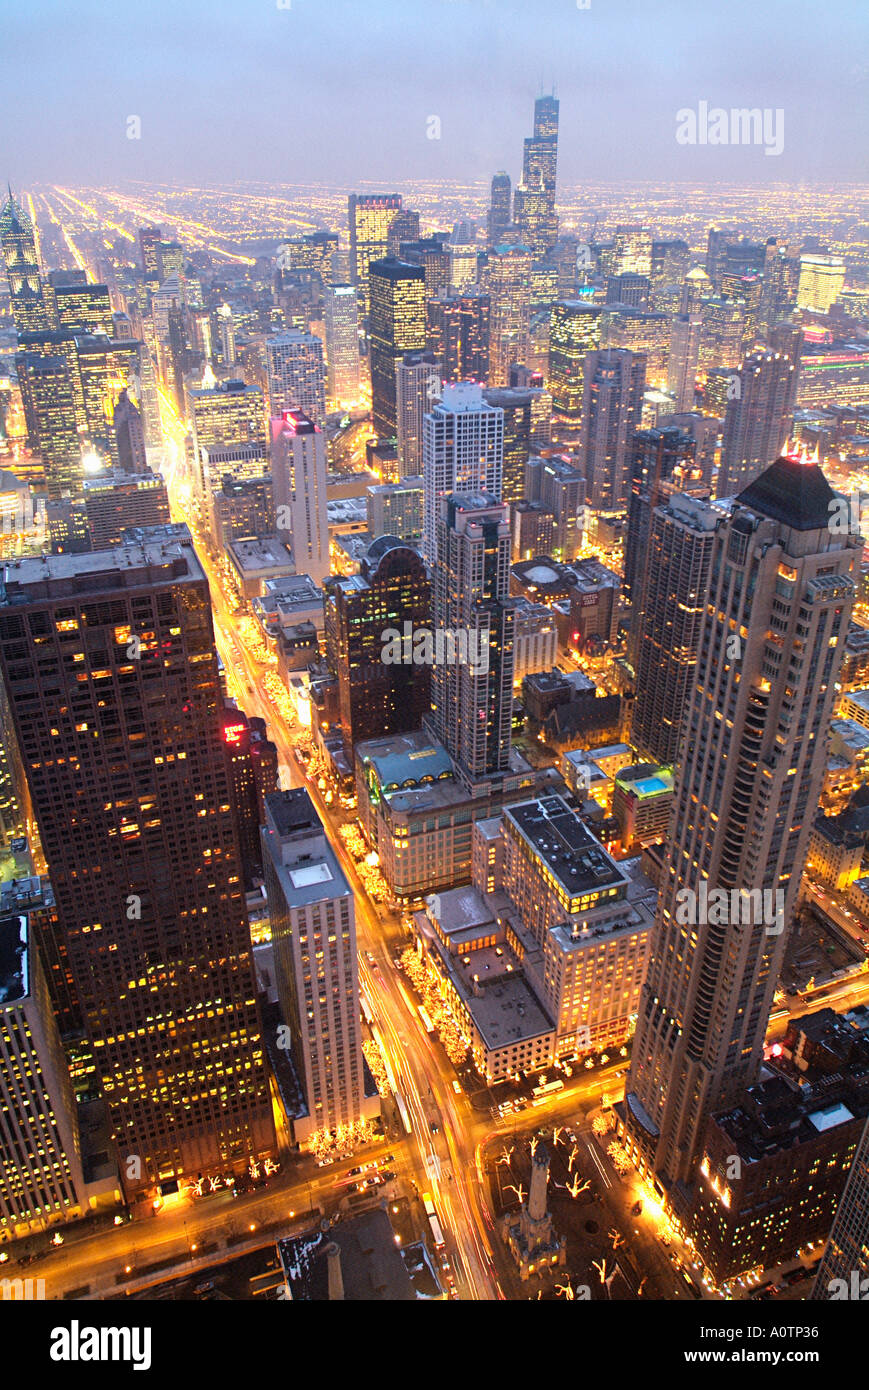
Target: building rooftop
pixel 36 577
pixel 259 553
pixel 558 837
pixel 13 959
pixel 792 492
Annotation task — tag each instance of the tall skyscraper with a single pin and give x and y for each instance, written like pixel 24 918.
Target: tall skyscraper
pixel 111 672
pixel 508 280
pixel 377 697
pixel 778 604
pixel 684 356
pixel 149 252
pixel 396 327
pixel 821 282
pixel 844 1269
pixel 49 398
pixel 614 380
pixel 632 250
pixel 296 375
pixel 298 454
pixel 341 316
pixel 669 607
pixel 403 227
pixel 41 1178
pixel 458 329
pixel 463 451
pixel 574 330
pixel 527 428
pixel 534 201
pixel 417 388
pixel 759 417
pixel 129 435
pixel 500 213
pixel 472 700
pixel 314 936
pixel 20 256
pixel 656 456
pixel 370 217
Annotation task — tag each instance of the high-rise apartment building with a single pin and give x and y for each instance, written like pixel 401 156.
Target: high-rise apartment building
pixel 508 281
pixel 683 360
pixel 298 454
pixel 314 937
pixel 296 375
pixel 472 698
pixel 781 588
pixel 527 428
pixel 111 672
pixel 669 607
pixel 341 314
pixel 378 696
pixel 500 212
pixel 458 332
pixel 657 455
pixel 614 381
pixel 396 327
pixel 574 331
pixel 370 216
pixel 759 417
pixel 463 451
pixel 417 388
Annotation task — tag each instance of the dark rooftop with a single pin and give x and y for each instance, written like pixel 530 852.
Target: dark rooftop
pixel 292 810
pixel 566 844
pixel 372 1269
pixel 793 492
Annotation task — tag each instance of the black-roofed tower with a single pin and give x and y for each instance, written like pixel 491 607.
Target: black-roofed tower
pixel 781 587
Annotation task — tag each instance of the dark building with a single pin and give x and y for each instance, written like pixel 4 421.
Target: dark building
pixel 500 213
pixel 49 398
pixel 759 417
pixel 458 335
pixel 376 697
pixel 526 429
pixel 251 760
pixel 114 501
pixel 111 672
pixel 656 455
pixel 129 436
pixel 629 288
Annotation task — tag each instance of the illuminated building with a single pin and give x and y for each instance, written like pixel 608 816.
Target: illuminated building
pixel 41 1178
pixel 458 328
pixel 107 368
pixel 417 388
pixel 370 217
pixel 629 288
pixel 463 451
pixel 847 1252
pixel 668 608
pixel 821 282
pixel 574 330
pixel 315 251
pixel 499 216
pixel 508 281
pixel 684 357
pixel 639 330
pixel 695 288
pixel 49 399
pixel 115 500
pixel 526 429
pixel 613 384
pixel 656 455
pixel 531 530
pixel 342 343
pixel 226 333
pixel 249 761
pixel 396 509
pixel 558 485
pixel 534 200
pixel 632 250
pixel 396 327
pixel 20 256
pixel 464 266
pixel 723 332
pixel 314 941
pixel 225 418
pixel 781 587
pixel 758 419
pixel 298 455
pixel 433 254
pixel 82 308
pixel 403 227
pixel 296 375
pixel 472 699
pixel 242 507
pixel 149 243
pixel 111 672
pixel 642 802
pixel 375 697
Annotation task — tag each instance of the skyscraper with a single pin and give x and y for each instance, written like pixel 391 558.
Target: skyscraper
pixel 129 436
pixel 378 697
pixel 500 213
pixel 370 216
pixel 614 380
pixel 20 256
pixel 298 454
pixel 472 699
pixel 396 327
pixel 463 451
pixel 668 609
pixel 632 250
pixel 314 935
pixel 777 609
pixel 49 399
pixel 458 328
pixel 684 356
pixel 574 330
pixel 527 427
pixel 149 252
pixel 821 281
pixel 759 417
pixel 508 280
pixel 111 672
pixel 844 1269
pixel 296 375
pixel 417 388
pixel 656 456
pixel 341 316
pixel 535 197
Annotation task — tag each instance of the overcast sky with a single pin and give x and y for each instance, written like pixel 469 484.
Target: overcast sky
pixel 342 90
